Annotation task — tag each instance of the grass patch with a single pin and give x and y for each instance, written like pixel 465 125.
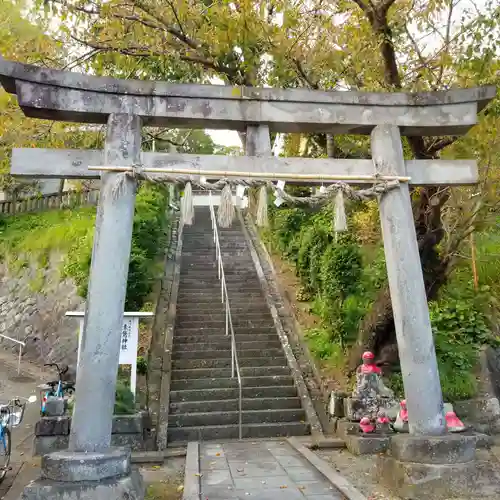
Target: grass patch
pixel 36 236
pixel 166 490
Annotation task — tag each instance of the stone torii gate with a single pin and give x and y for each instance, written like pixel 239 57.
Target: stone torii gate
pixel 126 106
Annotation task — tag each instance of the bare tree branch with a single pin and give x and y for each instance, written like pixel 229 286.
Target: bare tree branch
pixel 305 76
pixel 446 40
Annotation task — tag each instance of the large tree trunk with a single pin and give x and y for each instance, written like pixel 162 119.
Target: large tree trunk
pixel 377 331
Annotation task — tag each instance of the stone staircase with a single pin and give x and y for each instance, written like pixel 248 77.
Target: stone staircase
pixel 203 396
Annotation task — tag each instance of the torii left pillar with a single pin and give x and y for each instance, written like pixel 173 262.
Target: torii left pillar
pixel 95 469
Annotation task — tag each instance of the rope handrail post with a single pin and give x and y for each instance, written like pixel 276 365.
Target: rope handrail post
pixel 21 345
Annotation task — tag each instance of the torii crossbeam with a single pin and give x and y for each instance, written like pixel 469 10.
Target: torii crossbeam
pixel 126 106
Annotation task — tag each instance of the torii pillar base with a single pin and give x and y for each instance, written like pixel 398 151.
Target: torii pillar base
pixel 422 467
pixel 70 475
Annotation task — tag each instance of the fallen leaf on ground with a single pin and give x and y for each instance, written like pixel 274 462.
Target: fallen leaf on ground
pixel 180 488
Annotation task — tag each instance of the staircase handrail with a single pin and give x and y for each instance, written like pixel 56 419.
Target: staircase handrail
pixel 235 366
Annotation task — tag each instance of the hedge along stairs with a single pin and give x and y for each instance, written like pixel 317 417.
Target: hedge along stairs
pixel 203 396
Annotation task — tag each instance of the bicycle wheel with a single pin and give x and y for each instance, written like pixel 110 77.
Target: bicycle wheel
pixel 5 446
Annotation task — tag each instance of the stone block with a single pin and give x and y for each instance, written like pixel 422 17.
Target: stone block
pixel 55 407
pixel 147 421
pixel 410 480
pixel 345 427
pixel 130 487
pixel 479 410
pixel 355 409
pixel 133 441
pixel 48 444
pixel 447 449
pixel 336 406
pixel 366 445
pixel 483 440
pixel 53 426
pixel 127 424
pixel 68 466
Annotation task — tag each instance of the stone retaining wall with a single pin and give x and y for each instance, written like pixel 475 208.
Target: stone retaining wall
pixel 52 433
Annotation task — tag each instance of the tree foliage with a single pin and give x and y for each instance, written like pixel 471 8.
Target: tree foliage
pixel 21 40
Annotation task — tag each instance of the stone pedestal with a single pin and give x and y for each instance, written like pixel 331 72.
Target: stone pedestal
pixel 356 408
pixel 129 431
pixel 482 414
pixel 55 407
pixel 436 467
pixel 68 475
pixel 367 444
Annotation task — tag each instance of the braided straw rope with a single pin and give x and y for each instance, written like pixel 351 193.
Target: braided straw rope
pixel 328 194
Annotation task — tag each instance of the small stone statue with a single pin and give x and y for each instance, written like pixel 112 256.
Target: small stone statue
pixel 368 365
pixel 401 423
pixel 366 426
pixel 370 394
pixel 369 379
pixel 383 423
pixel 453 423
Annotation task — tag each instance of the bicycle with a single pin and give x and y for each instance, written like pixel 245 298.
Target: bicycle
pixel 10 418
pixel 56 388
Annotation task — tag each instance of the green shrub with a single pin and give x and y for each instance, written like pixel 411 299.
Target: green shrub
pixel 124 399
pixel 322 345
pixel 148 241
pixel 341 268
pixel 142 365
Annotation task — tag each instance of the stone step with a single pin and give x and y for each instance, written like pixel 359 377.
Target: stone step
pixel 220 316
pixel 226 372
pixel 214 394
pixel 187 364
pixel 232 277
pixel 240 283
pixel 182 335
pixel 222 383
pixel 236 287
pixel 238 321
pixel 196 296
pixel 200 245
pixel 181 435
pixel 240 306
pixel 225 354
pixel 226 344
pixel 232 417
pixel 231 257
pixel 233 405
pixel 217 312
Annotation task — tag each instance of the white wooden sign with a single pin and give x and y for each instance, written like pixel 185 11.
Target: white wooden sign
pixel 128 343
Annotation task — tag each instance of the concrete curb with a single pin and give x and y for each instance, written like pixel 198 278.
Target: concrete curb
pixel 305 398
pixel 340 482
pixel 192 487
pixel 161 434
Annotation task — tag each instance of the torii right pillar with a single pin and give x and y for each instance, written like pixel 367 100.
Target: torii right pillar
pixel 428 462
pixel 409 301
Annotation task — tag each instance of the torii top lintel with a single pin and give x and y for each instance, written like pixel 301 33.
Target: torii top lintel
pixel 68 96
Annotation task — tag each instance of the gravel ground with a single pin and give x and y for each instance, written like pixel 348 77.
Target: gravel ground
pixel 359 470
